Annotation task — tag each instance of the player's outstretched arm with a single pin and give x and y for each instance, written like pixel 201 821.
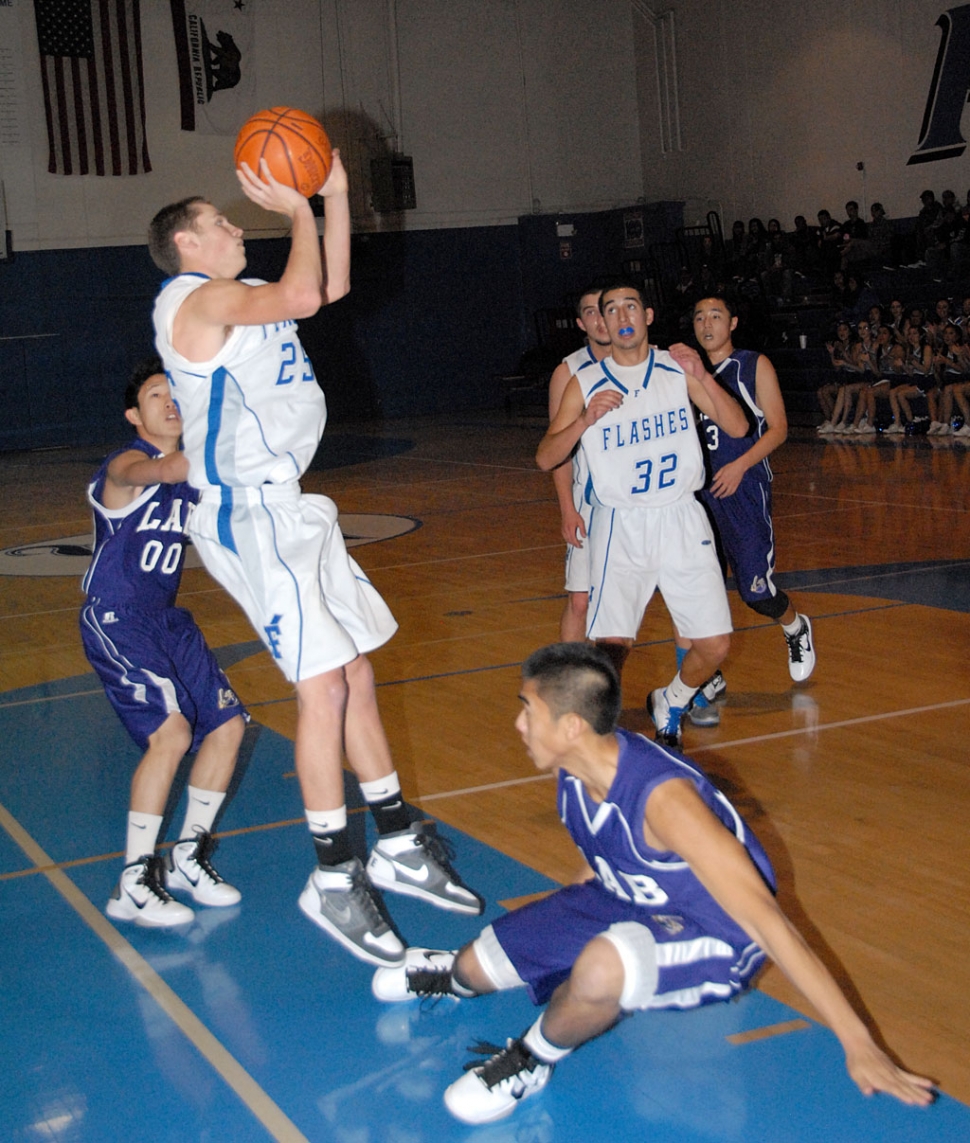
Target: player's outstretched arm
pixel 132 471
pixel 572 420
pixel 336 232
pixel 704 392
pixel 770 401
pixel 135 470
pixel 676 819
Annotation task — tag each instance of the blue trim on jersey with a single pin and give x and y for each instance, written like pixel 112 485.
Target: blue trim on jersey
pixel 293 577
pixel 606 560
pixel 217 398
pixel 651 358
pixel 184 274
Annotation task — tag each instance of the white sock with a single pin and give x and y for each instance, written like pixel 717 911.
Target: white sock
pixel 541 1048
pixel 794 627
pixel 381 788
pixel 679 693
pixel 326 821
pixel 201 811
pixel 142 835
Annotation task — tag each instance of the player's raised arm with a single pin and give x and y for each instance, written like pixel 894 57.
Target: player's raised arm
pixel 336 232
pixel 572 420
pixel 676 819
pixel 704 391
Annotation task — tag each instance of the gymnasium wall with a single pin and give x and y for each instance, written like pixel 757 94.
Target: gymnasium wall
pixel 779 102
pixel 500 105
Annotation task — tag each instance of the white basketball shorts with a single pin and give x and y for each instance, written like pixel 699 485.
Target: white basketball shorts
pixel 634 551
pixel 281 556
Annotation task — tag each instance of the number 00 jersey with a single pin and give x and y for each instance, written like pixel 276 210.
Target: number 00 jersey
pixel 254 413
pixel 645 453
pixel 138 549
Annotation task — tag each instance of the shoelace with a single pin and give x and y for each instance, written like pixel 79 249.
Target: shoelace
pixel 362 895
pixel 440 851
pixel 504 1062
pixel 795 644
pixel 205 847
pixel 153 876
pixel 429 982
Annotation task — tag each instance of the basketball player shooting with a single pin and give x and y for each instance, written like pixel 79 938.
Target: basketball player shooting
pixel 253 416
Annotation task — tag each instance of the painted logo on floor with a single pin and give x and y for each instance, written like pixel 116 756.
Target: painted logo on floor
pixel 72 554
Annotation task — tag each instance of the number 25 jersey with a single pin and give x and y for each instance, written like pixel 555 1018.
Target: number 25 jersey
pixel 251 415
pixel 645 453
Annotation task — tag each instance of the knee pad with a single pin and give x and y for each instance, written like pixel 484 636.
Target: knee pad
pixel 494 961
pixel 774 607
pixel 638 952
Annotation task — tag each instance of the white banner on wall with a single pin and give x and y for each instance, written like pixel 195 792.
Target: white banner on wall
pixel 13 101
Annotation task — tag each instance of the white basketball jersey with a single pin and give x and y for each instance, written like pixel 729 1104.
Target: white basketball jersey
pixel 645 453
pixel 576 362
pixel 254 413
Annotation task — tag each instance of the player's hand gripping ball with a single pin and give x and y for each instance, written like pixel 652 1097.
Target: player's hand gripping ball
pixel 293 143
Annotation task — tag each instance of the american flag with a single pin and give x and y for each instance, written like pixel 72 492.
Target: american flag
pixel 90 56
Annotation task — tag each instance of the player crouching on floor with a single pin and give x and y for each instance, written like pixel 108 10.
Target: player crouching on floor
pixel 680 911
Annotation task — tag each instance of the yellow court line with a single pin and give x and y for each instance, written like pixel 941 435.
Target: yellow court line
pixel 768 1031
pixel 235 1075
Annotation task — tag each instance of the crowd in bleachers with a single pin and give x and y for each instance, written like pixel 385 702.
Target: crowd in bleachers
pixel 895 297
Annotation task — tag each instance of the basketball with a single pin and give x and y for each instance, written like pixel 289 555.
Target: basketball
pixel 293 143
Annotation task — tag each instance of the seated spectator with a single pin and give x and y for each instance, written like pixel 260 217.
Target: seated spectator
pixel 919 367
pixel 891 375
pixel 778 273
pixel 860 298
pixel 952 365
pixel 960 245
pixel 735 248
pixel 755 245
pixel 829 242
pixel 844 355
pixel 939 235
pixel 927 218
pixel 896 316
pixel 875 246
pixel 804 244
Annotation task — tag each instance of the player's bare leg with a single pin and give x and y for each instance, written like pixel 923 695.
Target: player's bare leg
pixel 152 780
pixel 572 626
pixel 618 651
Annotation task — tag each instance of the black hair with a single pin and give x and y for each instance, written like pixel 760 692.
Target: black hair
pixel 145 368
pixel 576 678
pixel 724 298
pixel 163 228
pixel 620 283
pixel 592 288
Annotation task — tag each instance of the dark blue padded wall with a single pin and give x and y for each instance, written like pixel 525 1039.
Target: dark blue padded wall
pixel 434 317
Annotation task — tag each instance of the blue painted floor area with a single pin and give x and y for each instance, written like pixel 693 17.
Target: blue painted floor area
pixel 90 1056
pixel 934 583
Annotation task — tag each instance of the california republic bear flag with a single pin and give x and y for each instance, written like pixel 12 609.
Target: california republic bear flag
pixel 216 62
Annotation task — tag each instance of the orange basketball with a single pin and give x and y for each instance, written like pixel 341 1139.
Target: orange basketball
pixel 293 143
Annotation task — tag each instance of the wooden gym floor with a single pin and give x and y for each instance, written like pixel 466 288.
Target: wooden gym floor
pixel 857 781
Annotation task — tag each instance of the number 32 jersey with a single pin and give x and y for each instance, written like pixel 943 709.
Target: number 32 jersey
pixel 646 452
pixel 138 549
pixel 254 413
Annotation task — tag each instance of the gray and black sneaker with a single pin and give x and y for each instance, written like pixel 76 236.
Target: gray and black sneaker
pixel 341 901
pixel 417 863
